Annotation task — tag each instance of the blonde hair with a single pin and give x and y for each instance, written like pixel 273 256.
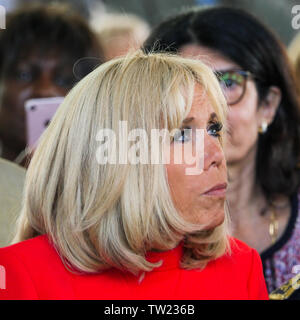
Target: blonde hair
pixel 102 216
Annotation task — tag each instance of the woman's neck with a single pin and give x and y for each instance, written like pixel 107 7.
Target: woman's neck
pixel 245 198
pixel 246 202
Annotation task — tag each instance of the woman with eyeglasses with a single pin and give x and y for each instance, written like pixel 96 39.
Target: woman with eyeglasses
pixel 263 138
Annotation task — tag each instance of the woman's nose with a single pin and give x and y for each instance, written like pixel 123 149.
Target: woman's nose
pixel 213 152
pixel 44 87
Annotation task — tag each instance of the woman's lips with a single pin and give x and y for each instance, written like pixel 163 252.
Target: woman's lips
pixel 218 190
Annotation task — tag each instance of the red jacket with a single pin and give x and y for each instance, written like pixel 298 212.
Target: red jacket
pixel 34 270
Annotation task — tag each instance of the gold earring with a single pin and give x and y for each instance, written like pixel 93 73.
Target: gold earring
pixel 263 127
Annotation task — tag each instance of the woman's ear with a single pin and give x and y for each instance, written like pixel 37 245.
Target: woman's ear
pixel 269 105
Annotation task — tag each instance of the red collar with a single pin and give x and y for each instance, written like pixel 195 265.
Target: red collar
pixel 170 259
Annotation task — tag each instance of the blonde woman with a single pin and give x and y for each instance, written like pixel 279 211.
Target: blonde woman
pixel 128 229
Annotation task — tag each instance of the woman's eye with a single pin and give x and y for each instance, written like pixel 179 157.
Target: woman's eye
pixel 24 76
pixel 64 81
pixel 231 80
pixel 228 84
pixel 214 129
pixel 183 135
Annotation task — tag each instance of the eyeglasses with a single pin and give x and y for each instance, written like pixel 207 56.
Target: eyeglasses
pixel 233 84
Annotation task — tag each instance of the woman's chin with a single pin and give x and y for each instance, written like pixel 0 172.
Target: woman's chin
pixel 212 223
pixel 217 221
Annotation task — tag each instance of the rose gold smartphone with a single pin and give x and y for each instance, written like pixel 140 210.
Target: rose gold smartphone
pixel 39 113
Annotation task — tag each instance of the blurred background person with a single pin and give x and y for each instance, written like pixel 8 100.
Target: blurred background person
pixel 263 138
pixel 118 33
pixel 38 50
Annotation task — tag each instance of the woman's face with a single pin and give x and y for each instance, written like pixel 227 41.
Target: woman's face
pixel 244 118
pixel 191 193
pixel 34 76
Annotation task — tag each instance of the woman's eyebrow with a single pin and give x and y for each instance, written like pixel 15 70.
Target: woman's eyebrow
pixel 212 117
pixel 188 120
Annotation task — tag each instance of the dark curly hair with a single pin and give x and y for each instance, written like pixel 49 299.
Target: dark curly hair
pixel 42 28
pixel 240 37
